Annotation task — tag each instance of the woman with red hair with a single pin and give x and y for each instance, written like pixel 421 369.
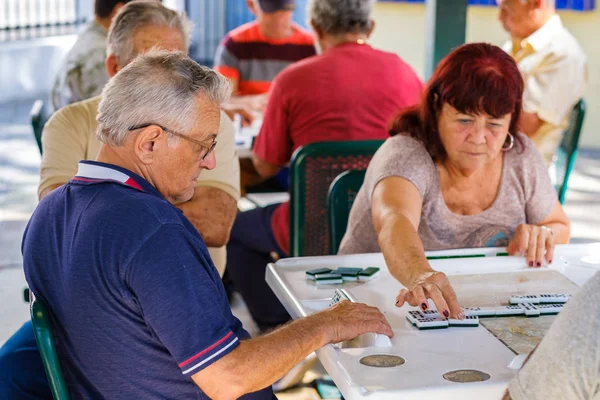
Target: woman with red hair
pixel 456 173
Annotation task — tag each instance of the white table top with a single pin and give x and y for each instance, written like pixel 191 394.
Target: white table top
pixel 428 354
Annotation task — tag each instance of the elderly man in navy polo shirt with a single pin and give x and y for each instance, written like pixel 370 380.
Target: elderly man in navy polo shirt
pixel 138 309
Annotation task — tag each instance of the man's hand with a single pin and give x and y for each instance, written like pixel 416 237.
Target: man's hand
pixel 435 286
pixel 535 242
pixel 346 320
pixel 231 110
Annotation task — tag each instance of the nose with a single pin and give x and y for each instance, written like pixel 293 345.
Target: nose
pixel 478 135
pixel 210 162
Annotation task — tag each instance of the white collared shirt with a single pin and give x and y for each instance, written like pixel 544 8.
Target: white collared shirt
pixel 554 69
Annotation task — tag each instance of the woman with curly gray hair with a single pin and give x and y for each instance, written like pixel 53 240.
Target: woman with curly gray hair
pixel 350 91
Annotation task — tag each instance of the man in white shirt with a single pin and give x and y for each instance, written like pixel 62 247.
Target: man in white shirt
pixel 553 66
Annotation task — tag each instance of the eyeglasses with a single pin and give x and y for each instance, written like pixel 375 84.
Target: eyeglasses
pixel 181 135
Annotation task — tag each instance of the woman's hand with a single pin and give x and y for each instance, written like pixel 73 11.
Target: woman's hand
pixel 533 241
pixel 435 286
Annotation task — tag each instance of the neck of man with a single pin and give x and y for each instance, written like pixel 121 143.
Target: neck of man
pixel 105 22
pixel 121 156
pixel 269 34
pixel 331 41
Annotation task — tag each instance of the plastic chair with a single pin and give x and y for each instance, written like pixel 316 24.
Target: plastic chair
pixel 342 193
pixel 567 151
pixel 44 337
pixel 312 170
pixel 39 116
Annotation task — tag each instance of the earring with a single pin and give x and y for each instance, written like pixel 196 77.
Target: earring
pixel 511 144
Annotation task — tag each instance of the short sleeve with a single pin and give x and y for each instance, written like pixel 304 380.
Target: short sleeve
pixel 176 288
pixel 566 364
pixel 552 90
pixel 403 157
pixel 273 143
pixel 226 62
pixel 226 174
pixel 540 195
pixel 64 143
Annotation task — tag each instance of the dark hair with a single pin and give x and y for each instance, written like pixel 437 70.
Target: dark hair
pixel 474 78
pixel 103 8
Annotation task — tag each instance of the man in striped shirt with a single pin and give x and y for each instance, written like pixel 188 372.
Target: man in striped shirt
pixel 254 53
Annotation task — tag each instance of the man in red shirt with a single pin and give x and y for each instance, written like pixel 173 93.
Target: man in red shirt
pixel 350 91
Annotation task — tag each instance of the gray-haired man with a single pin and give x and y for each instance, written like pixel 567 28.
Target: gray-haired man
pixel 69 137
pixel 146 317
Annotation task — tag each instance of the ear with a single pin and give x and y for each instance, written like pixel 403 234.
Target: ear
pixel 371 29
pixel 148 143
pixel 252 6
pixel 112 65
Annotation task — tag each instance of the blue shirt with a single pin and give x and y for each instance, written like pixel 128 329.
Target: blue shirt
pixel 137 306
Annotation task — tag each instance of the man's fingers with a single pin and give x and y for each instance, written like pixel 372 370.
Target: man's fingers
pixel 379 326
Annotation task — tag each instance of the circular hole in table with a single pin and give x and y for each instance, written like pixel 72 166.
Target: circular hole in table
pixel 466 376
pixel 382 361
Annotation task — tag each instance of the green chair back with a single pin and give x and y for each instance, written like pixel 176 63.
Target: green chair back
pixel 312 170
pixel 567 151
pixel 39 116
pixel 342 192
pixel 44 337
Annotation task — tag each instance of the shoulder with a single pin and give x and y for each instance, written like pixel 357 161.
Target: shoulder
pixel 133 210
pixel 564 48
pixel 525 160
pixel 302 36
pixel 524 150
pixel 405 145
pixel 403 153
pixel 301 69
pixel 78 116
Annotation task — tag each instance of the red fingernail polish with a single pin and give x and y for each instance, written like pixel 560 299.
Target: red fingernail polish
pixel 397 302
pixel 424 306
pixel 549 261
pixel 531 263
pixel 446 314
pixel 539 264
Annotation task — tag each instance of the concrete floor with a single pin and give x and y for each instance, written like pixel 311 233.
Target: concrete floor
pixel 19 167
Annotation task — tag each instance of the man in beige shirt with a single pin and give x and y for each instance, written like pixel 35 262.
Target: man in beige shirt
pixel 70 135
pixel 553 66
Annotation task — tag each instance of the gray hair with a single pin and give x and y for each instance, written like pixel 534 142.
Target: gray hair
pixel 138 14
pixel 341 16
pixel 159 87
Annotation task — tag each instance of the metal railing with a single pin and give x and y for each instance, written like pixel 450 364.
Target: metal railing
pixel 26 19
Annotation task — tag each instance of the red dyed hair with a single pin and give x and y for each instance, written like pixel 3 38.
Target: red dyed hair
pixel 475 78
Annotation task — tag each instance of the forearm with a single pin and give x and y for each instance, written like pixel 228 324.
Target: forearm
pixel 258 363
pixel 402 249
pixel 560 230
pixel 212 212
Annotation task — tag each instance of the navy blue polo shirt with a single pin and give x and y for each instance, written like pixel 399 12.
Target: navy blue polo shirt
pixel 136 304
